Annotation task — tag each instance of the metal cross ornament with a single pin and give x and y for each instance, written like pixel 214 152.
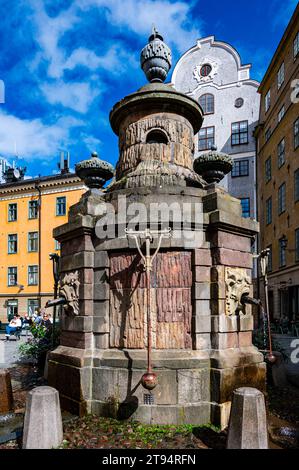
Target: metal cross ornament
pixel 149 380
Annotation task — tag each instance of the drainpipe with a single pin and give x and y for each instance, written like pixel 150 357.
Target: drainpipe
pixel 37 187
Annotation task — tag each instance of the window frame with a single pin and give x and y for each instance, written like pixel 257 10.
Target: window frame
pixel 37 303
pixel 281 72
pixel 279 115
pixel 297 245
pixel 268 179
pixel 57 205
pixel 206 96
pixel 34 273
pixel 15 305
pixel 206 138
pixel 240 174
pixel 281 209
pixel 282 251
pixel 9 252
pixel 15 274
pixel 35 201
pixel 268 100
pixel 296 134
pixel 296 43
pixel 269 211
pixel 296 189
pixel 14 211
pixel 239 133
pixel 281 152
pixel 36 240
pixel 249 207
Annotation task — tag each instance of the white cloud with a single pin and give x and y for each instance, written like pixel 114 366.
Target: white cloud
pixel 172 19
pixel 33 139
pixel 75 95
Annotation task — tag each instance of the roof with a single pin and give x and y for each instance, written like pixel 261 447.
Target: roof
pixel 43 181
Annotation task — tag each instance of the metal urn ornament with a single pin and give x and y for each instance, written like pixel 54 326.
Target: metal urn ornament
pixel 94 171
pixel 156 58
pixel 213 165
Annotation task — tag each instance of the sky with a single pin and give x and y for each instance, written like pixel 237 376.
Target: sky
pixel 65 63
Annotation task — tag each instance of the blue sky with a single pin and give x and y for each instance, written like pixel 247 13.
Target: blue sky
pixel 66 62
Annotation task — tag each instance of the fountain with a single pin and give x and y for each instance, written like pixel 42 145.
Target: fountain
pixel 169 347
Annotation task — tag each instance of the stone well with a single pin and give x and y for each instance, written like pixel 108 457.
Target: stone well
pixel 201 332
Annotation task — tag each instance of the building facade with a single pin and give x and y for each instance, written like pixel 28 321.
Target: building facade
pixel 30 210
pixel 278 173
pixel 211 73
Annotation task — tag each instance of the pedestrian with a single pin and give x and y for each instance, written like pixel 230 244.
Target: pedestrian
pixel 13 325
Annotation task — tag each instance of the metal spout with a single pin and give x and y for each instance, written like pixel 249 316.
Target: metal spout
pixel 52 303
pixel 250 300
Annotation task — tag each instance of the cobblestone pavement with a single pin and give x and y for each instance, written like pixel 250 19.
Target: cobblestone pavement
pixel 9 350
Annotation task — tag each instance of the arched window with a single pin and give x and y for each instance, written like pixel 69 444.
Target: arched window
pixel 156 137
pixel 207 102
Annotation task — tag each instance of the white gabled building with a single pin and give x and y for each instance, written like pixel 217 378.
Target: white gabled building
pixel 211 72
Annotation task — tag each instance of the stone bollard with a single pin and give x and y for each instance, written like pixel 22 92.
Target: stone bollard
pixel 6 395
pixel 248 421
pixel 43 421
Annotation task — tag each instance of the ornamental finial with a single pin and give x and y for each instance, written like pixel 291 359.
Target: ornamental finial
pixel 156 58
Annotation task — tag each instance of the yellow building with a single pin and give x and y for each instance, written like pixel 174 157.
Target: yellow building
pixel 29 210
pixel 278 173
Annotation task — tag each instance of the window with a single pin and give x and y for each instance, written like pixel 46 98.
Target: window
pixel 268 101
pixel 269 211
pixel 281 153
pixel 268 170
pixel 33 305
pixel 57 245
pixel 12 243
pixel 12 276
pixel 32 241
pixel 61 205
pixel 296 134
pixel 281 114
pixel 270 259
pixel 297 245
pixel 239 102
pixel 207 103
pixel 206 138
pixel 245 203
pixel 282 199
pixel 156 137
pixel 296 45
pixel 12 212
pixel 205 70
pixel 32 275
pixel 280 76
pixel 12 309
pixel 33 209
pixel 296 185
pixel 240 168
pixel 282 253
pixel 268 134
pixel 239 133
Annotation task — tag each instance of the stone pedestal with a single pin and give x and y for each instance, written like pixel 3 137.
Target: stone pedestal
pixel 6 395
pixel 202 346
pixel 248 420
pixel 43 421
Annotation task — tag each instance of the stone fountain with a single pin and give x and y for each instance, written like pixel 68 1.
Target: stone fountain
pixel 200 327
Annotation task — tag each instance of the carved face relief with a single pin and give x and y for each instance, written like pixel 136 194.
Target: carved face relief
pixel 237 284
pixel 69 288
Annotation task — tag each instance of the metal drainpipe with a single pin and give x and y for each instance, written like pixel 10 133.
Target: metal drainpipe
pixel 256 133
pixel 39 239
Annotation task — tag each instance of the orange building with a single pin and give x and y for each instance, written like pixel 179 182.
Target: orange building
pixel 30 210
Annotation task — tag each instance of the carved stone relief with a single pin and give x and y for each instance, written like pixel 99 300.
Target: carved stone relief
pixel 69 289
pixel 237 283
